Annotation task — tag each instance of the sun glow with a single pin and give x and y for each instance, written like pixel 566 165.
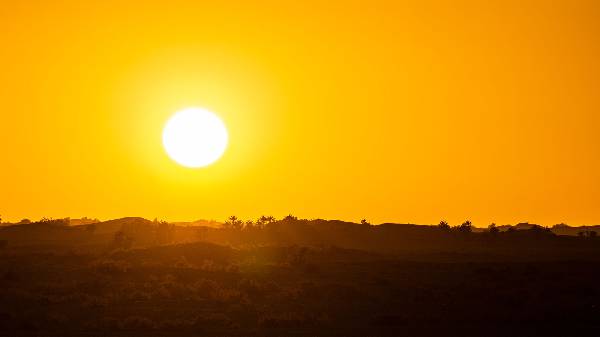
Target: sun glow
pixel 195 137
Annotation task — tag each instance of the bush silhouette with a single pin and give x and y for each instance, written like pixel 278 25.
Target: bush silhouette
pixel 290 218
pixel 465 227
pixel 443 225
pixel 233 223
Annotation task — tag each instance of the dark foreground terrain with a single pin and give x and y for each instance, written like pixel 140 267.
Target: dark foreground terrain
pixel 407 281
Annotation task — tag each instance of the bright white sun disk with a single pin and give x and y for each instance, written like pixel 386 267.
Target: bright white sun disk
pixel 195 137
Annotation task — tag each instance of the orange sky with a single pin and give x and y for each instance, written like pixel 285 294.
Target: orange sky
pixel 389 110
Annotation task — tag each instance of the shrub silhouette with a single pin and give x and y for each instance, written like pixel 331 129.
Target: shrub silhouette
pixel 443 225
pixel 261 222
pixel 233 223
pixel 55 222
pixel 290 218
pixel 466 227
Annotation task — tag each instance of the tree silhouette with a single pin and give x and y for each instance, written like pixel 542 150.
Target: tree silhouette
pixel 365 222
pixel 260 222
pixel 263 221
pixel 465 227
pixel 443 225
pixel 493 229
pixel 233 223
pixel 290 217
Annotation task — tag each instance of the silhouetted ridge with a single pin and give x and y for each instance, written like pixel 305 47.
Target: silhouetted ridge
pixel 135 277
pixel 386 238
pixel 114 225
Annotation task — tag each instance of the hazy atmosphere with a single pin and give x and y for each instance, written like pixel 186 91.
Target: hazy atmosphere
pixel 300 168
pixel 392 111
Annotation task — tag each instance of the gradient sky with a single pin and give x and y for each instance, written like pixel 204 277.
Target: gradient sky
pixel 388 110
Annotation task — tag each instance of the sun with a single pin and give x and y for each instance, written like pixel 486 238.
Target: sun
pixel 195 137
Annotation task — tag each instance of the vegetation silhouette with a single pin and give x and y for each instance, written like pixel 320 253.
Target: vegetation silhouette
pixel 132 276
pixel 443 225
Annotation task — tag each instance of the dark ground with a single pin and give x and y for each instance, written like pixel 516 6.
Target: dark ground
pixel 201 288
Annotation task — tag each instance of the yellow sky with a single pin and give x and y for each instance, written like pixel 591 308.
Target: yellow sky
pixel 389 110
